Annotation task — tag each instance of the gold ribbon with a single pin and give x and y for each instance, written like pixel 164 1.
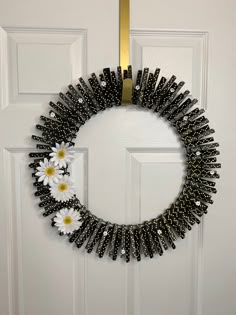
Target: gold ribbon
pixel 125 48
pixel 124 33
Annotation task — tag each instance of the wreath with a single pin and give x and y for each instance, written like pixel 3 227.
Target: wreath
pixel 56 191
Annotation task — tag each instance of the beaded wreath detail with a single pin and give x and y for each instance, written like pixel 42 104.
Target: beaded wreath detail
pixel 56 191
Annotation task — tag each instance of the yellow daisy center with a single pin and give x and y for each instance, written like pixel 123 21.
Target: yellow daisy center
pixel 61 154
pixel 67 219
pixel 49 171
pixel 62 187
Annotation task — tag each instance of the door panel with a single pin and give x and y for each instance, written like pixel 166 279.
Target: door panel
pixel 129 163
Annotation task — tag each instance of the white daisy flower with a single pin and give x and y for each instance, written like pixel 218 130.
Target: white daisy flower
pixel 63 190
pixel 67 220
pixel 48 172
pixel 62 154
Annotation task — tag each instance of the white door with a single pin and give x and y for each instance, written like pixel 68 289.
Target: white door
pixel 129 163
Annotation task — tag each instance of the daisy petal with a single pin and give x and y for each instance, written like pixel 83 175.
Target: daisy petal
pixel 41 178
pixel 45 182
